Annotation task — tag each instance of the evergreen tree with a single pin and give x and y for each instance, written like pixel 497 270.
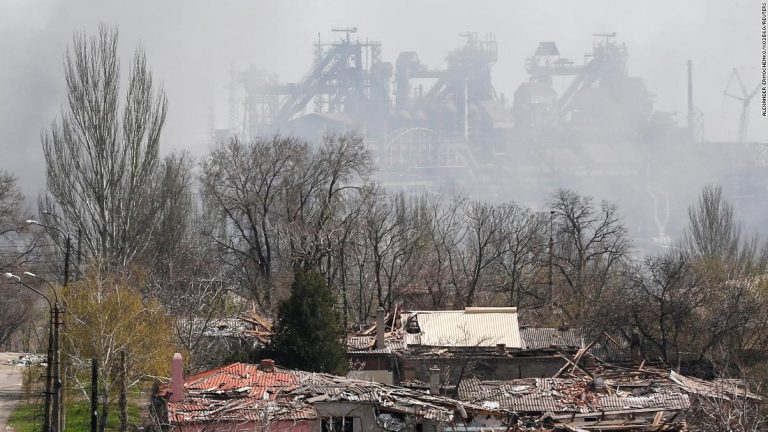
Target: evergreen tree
pixel 308 333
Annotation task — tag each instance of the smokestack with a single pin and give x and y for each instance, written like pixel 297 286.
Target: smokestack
pixel 177 379
pixel 380 343
pixel 690 97
pixel 267 365
pixel 466 111
pixel 434 380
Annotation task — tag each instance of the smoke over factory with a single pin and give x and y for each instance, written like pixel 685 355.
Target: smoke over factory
pixel 582 121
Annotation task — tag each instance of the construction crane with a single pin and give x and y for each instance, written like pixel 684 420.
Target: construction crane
pixel 745 98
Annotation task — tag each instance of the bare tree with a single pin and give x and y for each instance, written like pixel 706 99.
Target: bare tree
pixel 176 239
pixel 732 402
pixel 358 272
pixel 17 250
pixel 713 230
pixel 320 205
pixel 393 231
pixel 524 255
pixel 279 204
pixel 715 233
pixel 590 245
pixel 481 243
pixel 102 155
pixel 181 270
pixel 687 310
pixel 15 310
pixel 11 203
pixel 245 184
pixel 666 297
pixel 444 223
pixel 17 246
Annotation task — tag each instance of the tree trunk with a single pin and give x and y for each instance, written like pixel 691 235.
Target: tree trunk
pixel 104 412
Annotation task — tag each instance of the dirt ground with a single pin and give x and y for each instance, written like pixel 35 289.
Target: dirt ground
pixel 10 388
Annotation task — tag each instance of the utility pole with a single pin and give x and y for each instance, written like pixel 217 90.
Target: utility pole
pixel 49 423
pixel 94 395
pixel 56 422
pixel 58 400
pixel 123 393
pixel 551 253
pixel 48 376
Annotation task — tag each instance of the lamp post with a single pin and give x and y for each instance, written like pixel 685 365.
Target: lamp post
pixel 68 245
pixel 58 402
pixel 52 356
pixel 79 243
pixel 58 311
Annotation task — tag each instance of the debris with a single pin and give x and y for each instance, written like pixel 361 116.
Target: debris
pixel 29 360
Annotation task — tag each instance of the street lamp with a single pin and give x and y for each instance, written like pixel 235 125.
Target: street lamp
pixel 79 243
pixel 52 356
pixel 68 244
pixel 58 311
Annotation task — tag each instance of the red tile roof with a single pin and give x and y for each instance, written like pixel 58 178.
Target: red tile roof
pixel 245 393
pixel 240 379
pixel 239 392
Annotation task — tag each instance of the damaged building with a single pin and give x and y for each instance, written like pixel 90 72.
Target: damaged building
pixel 583 403
pixel 247 397
pixel 476 341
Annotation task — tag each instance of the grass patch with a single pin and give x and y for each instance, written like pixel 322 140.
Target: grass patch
pixel 28 417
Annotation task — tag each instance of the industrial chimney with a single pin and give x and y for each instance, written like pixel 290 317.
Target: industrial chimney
pixel 434 380
pixel 690 97
pixel 177 379
pixel 267 365
pixel 380 343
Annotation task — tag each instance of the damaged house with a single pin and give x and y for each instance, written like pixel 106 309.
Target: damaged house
pixel 476 341
pixel 583 403
pixel 247 397
pixel 607 397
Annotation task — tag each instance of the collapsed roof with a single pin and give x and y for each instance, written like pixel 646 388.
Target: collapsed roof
pixel 244 392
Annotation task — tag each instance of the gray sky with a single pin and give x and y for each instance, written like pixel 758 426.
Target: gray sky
pixel 191 44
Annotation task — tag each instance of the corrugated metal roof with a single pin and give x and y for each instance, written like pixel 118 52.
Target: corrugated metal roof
pixel 366 344
pixel 537 338
pixel 563 395
pixel 471 327
pixel 666 401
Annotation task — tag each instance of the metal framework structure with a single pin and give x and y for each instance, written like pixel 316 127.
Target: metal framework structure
pixel 745 98
pixel 571 122
pixel 347 77
pixel 350 87
pixel 600 94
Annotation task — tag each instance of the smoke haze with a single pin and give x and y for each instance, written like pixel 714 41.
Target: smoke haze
pixel 192 45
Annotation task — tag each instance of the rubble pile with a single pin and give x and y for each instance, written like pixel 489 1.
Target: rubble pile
pixel 28 360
